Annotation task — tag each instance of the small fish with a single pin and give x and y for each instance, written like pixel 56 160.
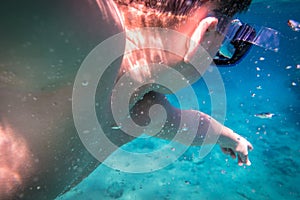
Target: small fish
pixel 295 26
pixel 266 115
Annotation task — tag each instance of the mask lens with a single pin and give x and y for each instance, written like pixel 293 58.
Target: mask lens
pixel 226 50
pixel 235 44
pixel 239 37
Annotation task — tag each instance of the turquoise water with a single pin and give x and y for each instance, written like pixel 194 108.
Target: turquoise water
pixel 275 169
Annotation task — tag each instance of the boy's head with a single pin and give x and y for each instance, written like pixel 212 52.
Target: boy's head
pixel 172 8
pixel 165 13
pixel 196 19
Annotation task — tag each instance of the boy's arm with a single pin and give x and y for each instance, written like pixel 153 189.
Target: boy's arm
pixel 197 128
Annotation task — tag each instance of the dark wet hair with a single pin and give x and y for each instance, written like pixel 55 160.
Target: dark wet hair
pixel 183 7
pixel 232 7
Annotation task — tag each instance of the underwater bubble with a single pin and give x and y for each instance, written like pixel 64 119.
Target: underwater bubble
pixel 257 69
pixel 86 131
pixel 85 83
pixel 188 3
pixel 261 58
pixel 288 67
pixel 294 84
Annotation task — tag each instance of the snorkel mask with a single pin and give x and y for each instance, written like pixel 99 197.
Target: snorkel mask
pixel 239 37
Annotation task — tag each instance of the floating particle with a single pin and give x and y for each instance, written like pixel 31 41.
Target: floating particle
pixel 257 69
pixel 185 129
pixel 261 58
pixel 288 67
pixel 298 66
pixel 116 127
pixel 294 84
pixel 259 87
pixel 253 95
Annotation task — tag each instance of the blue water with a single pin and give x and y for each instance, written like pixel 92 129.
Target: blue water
pixel 275 169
